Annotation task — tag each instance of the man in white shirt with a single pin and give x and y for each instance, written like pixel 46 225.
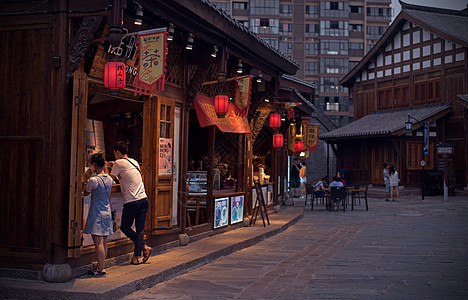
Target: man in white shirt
pixel 135 207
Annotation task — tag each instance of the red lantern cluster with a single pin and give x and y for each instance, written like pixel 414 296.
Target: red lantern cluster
pixel 221 105
pixel 298 146
pixel 114 75
pixel 275 120
pixel 278 140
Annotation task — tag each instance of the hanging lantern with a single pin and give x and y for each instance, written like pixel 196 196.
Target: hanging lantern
pixel 298 146
pixel 114 75
pixel 275 120
pixel 221 105
pixel 278 140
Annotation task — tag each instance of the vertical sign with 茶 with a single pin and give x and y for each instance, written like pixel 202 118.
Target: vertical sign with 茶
pixel 151 62
pixel 165 156
pixel 311 136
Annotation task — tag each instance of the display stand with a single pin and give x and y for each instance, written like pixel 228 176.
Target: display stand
pixel 260 207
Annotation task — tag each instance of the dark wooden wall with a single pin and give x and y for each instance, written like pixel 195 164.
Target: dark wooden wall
pixel 23 93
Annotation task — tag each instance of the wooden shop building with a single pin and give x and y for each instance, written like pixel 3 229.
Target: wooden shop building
pixel 56 110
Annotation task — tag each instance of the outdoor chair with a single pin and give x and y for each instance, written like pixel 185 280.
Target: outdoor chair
pixel 313 195
pixel 318 197
pixel 358 194
pixel 338 196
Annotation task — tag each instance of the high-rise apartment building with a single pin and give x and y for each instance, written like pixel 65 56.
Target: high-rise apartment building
pixel 327 38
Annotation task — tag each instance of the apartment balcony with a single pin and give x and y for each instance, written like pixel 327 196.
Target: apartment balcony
pixel 356 34
pixel 356 16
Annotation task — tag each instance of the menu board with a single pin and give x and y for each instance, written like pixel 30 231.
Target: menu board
pixel 221 212
pixel 237 209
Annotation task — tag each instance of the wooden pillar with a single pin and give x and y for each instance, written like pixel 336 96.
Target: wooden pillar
pixel 58 144
pixel 210 171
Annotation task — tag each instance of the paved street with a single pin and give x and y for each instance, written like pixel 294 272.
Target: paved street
pixel 410 249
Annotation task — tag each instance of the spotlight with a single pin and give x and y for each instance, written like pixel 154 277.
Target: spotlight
pixel 239 67
pixel 259 78
pixel 170 31
pixel 267 100
pixel 215 50
pixel 139 14
pixel 189 42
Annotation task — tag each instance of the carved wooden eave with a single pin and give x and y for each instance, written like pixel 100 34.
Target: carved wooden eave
pixel 81 43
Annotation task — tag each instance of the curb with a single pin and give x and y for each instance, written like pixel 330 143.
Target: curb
pixel 24 292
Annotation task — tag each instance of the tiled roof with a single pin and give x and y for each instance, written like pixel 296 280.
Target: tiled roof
pixel 248 31
pixel 384 123
pixel 453 23
pixel 300 81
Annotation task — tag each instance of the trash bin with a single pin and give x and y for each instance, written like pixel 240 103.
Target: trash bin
pixel 433 183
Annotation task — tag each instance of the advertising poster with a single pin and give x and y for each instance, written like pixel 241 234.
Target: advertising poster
pixel 165 156
pixel 221 212
pixel 237 209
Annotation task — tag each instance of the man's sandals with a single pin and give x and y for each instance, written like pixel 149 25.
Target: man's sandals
pixel 146 255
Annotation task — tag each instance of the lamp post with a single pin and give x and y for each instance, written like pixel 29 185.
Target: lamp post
pixel 409 125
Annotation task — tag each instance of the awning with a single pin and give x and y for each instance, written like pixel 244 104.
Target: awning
pixel 387 123
pixel 234 121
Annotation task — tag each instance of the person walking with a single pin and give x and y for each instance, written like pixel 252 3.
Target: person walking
pixel 386 176
pixel 135 207
pixel 394 180
pixel 295 181
pixel 303 179
pixel 99 221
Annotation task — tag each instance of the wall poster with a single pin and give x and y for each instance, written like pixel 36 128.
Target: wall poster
pixel 165 156
pixel 221 212
pixel 237 209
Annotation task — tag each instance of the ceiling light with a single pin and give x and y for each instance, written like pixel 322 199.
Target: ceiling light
pixel 139 14
pixel 215 50
pixel 259 78
pixel 170 31
pixel 239 67
pixel 189 42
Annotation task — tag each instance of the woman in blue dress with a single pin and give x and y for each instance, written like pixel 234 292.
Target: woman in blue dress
pixel 99 221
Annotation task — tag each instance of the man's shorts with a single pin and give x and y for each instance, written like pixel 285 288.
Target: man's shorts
pixel 387 186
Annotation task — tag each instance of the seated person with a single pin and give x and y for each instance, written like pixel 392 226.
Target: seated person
pixel 319 187
pixel 336 182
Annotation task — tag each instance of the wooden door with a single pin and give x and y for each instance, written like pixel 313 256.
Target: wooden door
pixel 164 144
pixel 383 152
pixel 77 161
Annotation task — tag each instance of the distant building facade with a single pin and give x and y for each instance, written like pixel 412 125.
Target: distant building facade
pixel 327 38
pixel 417 73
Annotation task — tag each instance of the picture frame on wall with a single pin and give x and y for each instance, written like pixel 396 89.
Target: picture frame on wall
pixel 237 209
pixel 221 210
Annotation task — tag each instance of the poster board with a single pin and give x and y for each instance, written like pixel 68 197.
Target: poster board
pixel 165 156
pixel 221 212
pixel 237 209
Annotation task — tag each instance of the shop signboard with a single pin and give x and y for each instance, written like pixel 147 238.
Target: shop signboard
pixel 221 212
pixel 243 93
pixel 311 136
pixel 237 209
pixel 165 156
pixel 151 61
pixel 426 139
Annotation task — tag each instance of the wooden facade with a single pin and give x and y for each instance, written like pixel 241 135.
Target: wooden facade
pixel 52 86
pixel 415 65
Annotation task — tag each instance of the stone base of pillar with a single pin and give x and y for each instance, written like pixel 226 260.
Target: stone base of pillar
pixel 57 272
pixel 184 239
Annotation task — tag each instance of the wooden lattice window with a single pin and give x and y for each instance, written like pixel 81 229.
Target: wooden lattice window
pixel 414 156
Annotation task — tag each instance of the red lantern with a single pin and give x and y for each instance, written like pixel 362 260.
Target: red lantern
pixel 221 105
pixel 275 120
pixel 278 140
pixel 298 146
pixel 114 75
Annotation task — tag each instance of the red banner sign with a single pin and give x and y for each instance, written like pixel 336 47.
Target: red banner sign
pixel 234 121
pixel 243 93
pixel 311 136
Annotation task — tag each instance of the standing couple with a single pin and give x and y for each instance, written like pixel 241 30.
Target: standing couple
pixel 391 182
pixel 99 221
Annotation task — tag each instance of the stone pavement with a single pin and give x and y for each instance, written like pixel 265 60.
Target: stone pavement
pixel 124 279
pixel 408 249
